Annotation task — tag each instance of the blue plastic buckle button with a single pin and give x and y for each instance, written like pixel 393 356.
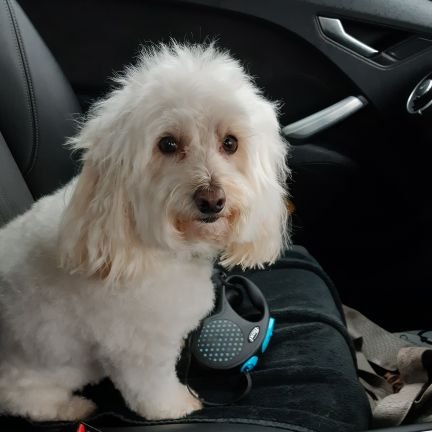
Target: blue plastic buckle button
pixel 268 335
pixel 248 365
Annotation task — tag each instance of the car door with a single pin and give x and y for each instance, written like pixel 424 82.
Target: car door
pixel 360 183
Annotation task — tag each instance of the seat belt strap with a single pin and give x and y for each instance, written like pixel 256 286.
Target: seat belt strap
pixel 382 355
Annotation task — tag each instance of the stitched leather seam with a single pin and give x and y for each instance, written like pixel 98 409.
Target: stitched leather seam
pixel 31 101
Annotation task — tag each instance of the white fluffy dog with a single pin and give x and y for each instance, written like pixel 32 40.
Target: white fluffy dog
pixel 182 163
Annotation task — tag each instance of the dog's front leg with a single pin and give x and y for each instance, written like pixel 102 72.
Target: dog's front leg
pixel 151 387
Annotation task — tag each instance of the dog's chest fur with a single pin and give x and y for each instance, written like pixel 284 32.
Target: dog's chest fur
pixel 179 293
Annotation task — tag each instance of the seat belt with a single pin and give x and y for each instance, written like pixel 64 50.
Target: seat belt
pixel 395 373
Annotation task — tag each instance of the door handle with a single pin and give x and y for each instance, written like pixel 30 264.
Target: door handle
pixel 325 118
pixel 334 29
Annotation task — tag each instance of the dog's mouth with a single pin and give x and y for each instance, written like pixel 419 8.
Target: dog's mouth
pixel 209 219
pixel 214 228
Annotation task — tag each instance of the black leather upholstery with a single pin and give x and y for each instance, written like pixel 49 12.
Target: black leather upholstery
pixel 15 198
pixel 203 427
pixel 37 105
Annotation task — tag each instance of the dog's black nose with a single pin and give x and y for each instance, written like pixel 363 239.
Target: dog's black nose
pixel 210 199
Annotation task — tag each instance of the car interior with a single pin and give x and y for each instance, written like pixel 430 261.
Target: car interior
pixel 353 80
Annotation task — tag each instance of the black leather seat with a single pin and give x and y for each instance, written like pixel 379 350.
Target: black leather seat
pixel 37 109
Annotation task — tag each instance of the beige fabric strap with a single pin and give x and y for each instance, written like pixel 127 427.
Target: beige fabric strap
pixel 394 408
pixel 376 346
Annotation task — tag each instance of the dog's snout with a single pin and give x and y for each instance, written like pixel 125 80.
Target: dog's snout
pixel 210 200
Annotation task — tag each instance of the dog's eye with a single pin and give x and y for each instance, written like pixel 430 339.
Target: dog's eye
pixel 168 145
pixel 230 144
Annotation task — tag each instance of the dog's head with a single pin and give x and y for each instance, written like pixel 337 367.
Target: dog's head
pixel 185 156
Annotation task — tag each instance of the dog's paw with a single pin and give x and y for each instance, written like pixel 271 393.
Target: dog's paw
pixel 74 408
pixel 175 405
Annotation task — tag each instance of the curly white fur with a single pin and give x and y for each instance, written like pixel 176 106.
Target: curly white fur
pixel 107 276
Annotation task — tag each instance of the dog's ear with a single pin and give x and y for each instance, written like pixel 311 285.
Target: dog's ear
pixel 98 235
pixel 98 229
pixel 263 232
